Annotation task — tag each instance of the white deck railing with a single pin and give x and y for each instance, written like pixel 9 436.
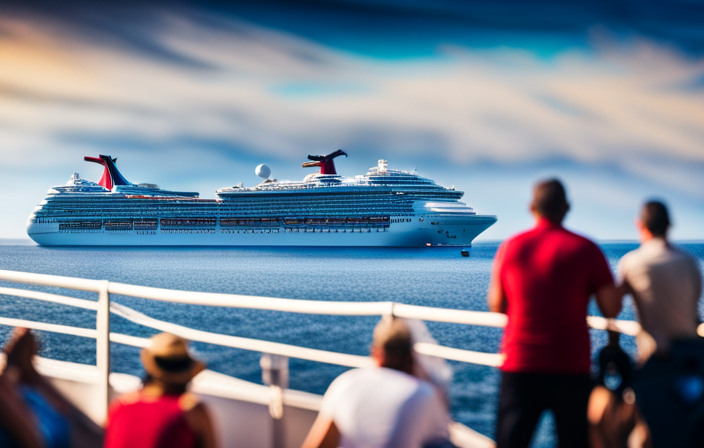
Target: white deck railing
pixel 104 307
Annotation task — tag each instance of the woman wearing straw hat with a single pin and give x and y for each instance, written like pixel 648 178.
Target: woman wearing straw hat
pixel 162 414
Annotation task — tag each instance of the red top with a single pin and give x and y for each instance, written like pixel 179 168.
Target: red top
pixel 548 275
pixel 147 423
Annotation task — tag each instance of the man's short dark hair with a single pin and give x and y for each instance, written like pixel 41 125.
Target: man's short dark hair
pixel 550 200
pixel 655 218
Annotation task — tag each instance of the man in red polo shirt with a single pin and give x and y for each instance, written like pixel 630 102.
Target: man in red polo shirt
pixel 543 280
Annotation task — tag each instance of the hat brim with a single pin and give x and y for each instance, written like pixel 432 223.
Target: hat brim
pixel 169 377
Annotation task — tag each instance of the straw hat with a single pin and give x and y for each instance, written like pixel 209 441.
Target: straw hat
pixel 167 359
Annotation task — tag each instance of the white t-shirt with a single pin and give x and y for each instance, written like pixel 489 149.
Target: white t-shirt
pixel 380 407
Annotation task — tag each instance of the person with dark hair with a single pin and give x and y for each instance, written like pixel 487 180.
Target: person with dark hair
pixel 18 427
pixel 383 406
pixel 665 284
pixel 163 414
pixel 45 403
pixel 543 280
pixel 60 423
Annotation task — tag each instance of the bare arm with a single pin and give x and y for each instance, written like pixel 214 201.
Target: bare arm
pixel 609 299
pixel 323 434
pixel 496 297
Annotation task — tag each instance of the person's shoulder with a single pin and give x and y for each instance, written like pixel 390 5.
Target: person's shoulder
pixel 348 380
pixel 428 398
pixel 195 412
pixel 404 384
pixel 123 402
pixel 376 375
pixel 353 375
pixel 682 254
pixel 341 390
pixel 631 257
pixel 521 236
pixel 581 242
pixel 197 409
pixel 578 237
pixel 189 401
pixel 517 240
pixel 626 264
pixel 649 252
pixel 128 398
pixel 425 388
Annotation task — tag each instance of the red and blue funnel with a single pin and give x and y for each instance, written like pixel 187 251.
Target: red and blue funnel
pixel 111 175
pixel 326 163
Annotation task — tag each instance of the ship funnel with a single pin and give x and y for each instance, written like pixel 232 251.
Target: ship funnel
pixel 326 163
pixel 111 175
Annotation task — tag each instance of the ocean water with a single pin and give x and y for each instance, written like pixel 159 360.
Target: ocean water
pixel 436 277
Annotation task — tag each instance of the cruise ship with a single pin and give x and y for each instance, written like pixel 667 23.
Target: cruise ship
pixel 383 208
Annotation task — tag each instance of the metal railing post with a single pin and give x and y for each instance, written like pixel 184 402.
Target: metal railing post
pixel 275 375
pixel 102 350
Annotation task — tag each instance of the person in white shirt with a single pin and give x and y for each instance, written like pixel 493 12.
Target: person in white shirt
pixel 382 406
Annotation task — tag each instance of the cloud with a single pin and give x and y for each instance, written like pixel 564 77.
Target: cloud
pixel 242 89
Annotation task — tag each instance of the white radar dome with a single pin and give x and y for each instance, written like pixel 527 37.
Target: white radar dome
pixel 263 171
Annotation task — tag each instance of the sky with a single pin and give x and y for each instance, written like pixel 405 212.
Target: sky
pixel 488 96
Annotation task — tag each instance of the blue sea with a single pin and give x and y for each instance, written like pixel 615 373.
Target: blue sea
pixel 437 277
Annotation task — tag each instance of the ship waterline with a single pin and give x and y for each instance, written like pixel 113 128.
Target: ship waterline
pixel 399 236
pixel 384 208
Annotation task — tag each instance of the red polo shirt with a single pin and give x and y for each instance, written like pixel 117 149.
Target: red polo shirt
pixel 548 275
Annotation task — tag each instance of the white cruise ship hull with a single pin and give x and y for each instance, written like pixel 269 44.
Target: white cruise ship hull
pixel 419 232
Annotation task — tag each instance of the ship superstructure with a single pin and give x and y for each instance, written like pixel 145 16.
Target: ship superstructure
pixel 384 207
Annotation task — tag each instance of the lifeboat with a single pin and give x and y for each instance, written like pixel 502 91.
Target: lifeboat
pixel 187 222
pixel 118 225
pixel 229 222
pixel 81 225
pixel 380 219
pixel 146 224
pixel 270 222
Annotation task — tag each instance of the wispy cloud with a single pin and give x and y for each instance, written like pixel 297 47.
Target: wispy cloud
pixel 257 90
